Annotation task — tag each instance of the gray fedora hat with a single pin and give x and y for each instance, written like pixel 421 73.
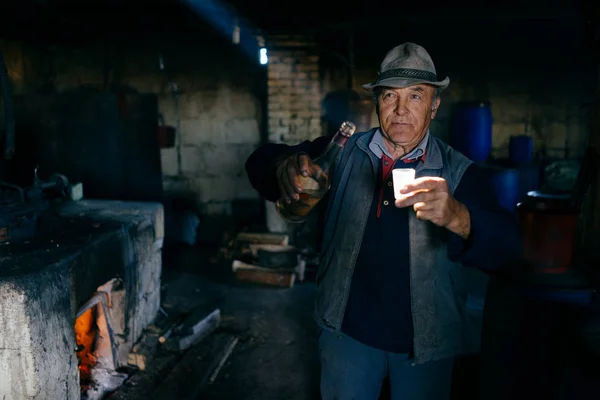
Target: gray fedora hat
pixel 405 65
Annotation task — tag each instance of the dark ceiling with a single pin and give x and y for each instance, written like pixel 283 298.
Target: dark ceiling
pixel 374 24
pixel 50 16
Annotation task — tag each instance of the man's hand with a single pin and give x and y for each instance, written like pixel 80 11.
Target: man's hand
pixel 432 201
pixel 289 175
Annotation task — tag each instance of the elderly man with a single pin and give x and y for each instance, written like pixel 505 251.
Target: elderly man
pixel 387 304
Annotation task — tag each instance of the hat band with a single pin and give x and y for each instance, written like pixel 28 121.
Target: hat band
pixel 407 73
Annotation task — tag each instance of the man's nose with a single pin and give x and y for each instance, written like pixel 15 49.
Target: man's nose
pixel 401 107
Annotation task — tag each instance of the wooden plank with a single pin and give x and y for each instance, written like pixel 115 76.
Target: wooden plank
pixel 277 259
pixel 279 279
pixel 138 360
pixel 197 321
pixel 261 272
pixel 267 276
pixel 255 247
pixel 264 238
pixel 194 329
pixel 143 351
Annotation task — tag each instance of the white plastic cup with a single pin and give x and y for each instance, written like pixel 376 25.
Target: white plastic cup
pixel 402 176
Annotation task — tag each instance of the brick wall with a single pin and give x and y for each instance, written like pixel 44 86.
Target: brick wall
pixel 294 95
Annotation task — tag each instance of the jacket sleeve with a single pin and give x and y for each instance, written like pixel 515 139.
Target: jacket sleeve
pixel 495 239
pixel 262 163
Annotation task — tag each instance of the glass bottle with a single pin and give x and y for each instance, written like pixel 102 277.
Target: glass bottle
pixel 315 186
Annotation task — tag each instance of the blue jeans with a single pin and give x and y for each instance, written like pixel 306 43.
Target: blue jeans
pixel 352 370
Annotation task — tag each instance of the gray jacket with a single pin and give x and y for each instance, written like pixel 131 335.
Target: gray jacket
pixel 436 303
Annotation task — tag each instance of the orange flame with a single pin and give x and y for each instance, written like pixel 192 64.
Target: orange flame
pixel 85 334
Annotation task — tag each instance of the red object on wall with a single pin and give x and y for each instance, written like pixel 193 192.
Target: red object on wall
pixel 166 136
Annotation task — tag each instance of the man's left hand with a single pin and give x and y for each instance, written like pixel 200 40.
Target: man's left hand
pixel 431 199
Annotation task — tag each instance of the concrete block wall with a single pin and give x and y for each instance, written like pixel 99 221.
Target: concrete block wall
pixel 220 113
pixel 218 109
pixel 294 92
pixel 219 129
pixel 554 116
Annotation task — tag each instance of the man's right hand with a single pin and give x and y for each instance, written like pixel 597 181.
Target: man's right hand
pixel 288 174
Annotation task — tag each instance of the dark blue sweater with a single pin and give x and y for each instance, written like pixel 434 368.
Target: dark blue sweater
pixel 378 310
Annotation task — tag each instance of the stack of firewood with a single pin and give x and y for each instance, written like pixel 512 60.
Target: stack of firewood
pixel 268 259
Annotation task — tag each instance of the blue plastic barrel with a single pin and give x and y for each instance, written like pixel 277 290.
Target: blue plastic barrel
pixel 520 149
pixel 472 130
pixel 508 186
pixel 507 183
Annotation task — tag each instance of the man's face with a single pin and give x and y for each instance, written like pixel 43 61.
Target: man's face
pixel 405 113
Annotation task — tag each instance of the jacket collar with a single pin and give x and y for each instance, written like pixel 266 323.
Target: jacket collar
pixel 433 155
pixel 378 147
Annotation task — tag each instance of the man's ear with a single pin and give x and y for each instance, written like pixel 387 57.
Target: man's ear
pixel 434 107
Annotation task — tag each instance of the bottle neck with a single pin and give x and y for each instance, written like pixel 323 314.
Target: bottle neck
pixel 327 158
pixel 339 139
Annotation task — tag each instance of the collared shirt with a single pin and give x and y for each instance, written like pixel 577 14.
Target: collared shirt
pixel 378 147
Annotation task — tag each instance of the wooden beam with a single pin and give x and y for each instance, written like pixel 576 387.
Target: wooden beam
pixel 266 276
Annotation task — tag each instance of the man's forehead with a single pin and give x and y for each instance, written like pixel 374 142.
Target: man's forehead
pixel 419 87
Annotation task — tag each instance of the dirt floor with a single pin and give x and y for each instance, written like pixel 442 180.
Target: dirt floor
pixel 270 332
pixel 275 356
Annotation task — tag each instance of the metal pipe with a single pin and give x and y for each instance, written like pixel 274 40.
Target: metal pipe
pixel 95 299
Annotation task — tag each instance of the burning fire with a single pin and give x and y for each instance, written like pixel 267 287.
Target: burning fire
pixel 86 329
pixel 95 349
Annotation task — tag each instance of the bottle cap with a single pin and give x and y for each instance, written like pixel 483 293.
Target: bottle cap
pixel 347 128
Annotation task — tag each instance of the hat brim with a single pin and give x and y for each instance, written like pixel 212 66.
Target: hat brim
pixel 406 82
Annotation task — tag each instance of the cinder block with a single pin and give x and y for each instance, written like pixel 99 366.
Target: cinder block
pixel 37 338
pixel 222 208
pixel 242 105
pixel 208 160
pixel 213 189
pixel 205 129
pixel 242 130
pixel 148 292
pixel 168 159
